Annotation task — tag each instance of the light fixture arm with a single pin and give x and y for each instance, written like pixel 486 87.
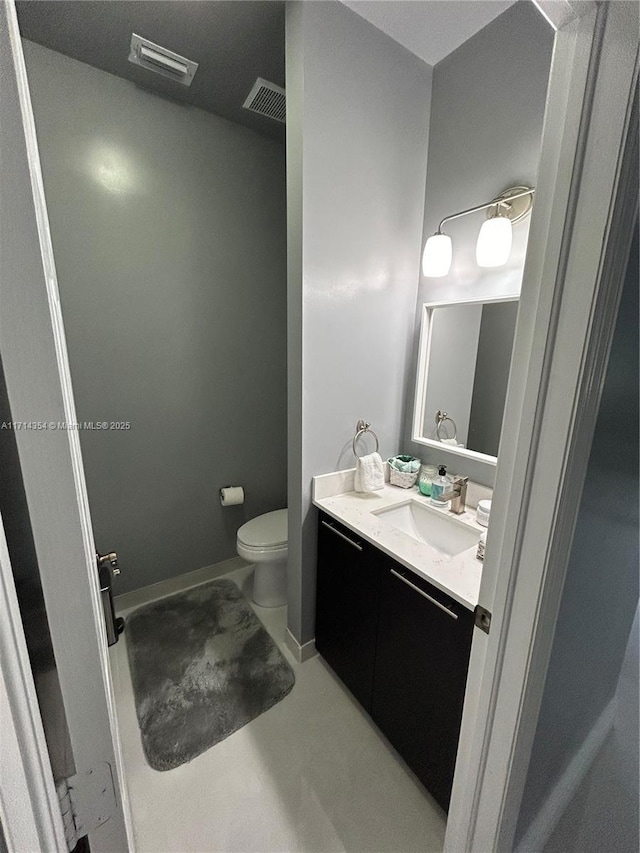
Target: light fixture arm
pixel 496 202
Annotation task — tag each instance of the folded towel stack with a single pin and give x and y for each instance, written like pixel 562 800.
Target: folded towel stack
pixel 405 464
pixel 369 473
pixel 403 470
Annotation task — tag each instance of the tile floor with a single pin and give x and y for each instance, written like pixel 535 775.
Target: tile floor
pixel 311 775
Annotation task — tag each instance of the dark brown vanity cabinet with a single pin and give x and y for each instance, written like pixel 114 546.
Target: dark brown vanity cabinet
pixel 400 645
pixel 422 657
pixel 347 600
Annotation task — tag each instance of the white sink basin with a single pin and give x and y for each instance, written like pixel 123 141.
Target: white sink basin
pixel 441 532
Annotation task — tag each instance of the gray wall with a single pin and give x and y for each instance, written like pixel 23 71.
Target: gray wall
pixel 491 376
pixel 603 813
pixel 357 140
pixel 169 229
pixel 600 596
pixel 486 122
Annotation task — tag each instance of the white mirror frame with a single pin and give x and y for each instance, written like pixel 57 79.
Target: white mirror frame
pixel 424 353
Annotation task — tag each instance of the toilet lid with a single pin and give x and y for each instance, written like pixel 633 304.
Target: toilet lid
pixel 265 531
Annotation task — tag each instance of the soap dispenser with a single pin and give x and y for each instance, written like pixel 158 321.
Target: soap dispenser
pixel 439 486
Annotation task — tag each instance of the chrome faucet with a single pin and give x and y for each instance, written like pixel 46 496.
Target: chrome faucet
pixel 457 495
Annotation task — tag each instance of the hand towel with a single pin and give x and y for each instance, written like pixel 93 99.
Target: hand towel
pixel 369 473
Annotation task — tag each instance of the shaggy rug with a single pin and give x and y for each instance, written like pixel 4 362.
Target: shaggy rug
pixel 202 667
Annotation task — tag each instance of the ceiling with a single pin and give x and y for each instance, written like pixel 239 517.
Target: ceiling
pixel 430 29
pixel 234 42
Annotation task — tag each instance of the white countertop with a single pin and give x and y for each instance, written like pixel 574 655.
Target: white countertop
pixel 457 576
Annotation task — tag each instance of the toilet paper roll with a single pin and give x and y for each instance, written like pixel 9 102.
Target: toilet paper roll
pixel 232 496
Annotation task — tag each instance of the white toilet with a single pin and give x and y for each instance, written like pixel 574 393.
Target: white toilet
pixel 263 541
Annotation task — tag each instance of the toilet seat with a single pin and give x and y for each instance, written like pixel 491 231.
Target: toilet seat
pixel 265 533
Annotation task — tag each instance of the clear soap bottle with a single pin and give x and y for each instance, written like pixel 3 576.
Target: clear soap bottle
pixel 439 486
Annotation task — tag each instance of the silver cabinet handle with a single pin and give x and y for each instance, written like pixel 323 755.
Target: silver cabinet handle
pixel 342 536
pixel 424 594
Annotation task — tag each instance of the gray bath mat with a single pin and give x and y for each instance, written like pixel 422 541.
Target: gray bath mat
pixel 202 667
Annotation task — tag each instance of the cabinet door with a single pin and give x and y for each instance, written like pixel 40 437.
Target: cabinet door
pixel 347 606
pixel 424 641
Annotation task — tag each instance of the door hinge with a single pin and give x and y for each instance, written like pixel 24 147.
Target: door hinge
pixel 482 618
pixel 87 800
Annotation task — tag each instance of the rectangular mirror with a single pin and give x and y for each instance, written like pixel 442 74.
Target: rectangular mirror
pixel 463 370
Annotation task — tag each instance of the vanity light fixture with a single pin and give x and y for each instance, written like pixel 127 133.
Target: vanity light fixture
pixel 494 240
pixel 436 259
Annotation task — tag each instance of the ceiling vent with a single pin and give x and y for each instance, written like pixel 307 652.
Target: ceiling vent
pixel 268 100
pixel 151 56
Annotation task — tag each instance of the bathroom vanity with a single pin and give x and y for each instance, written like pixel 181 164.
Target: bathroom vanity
pixel 395 616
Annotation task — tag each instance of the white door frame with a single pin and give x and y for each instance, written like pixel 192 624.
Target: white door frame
pixel 570 295
pixel 39 389
pixel 29 808
pixel 579 243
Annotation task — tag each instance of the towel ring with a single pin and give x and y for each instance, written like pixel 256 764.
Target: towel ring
pixel 441 417
pixel 361 428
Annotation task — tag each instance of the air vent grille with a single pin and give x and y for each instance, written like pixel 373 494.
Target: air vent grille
pixel 158 59
pixel 268 100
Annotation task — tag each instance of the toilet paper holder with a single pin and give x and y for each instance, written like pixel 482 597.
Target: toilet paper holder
pixel 231 495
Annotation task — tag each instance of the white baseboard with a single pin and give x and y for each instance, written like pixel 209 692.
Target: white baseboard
pixel 300 652
pixel 176 584
pixel 541 828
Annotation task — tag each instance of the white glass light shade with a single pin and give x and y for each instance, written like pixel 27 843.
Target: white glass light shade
pixel 436 258
pixel 494 242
